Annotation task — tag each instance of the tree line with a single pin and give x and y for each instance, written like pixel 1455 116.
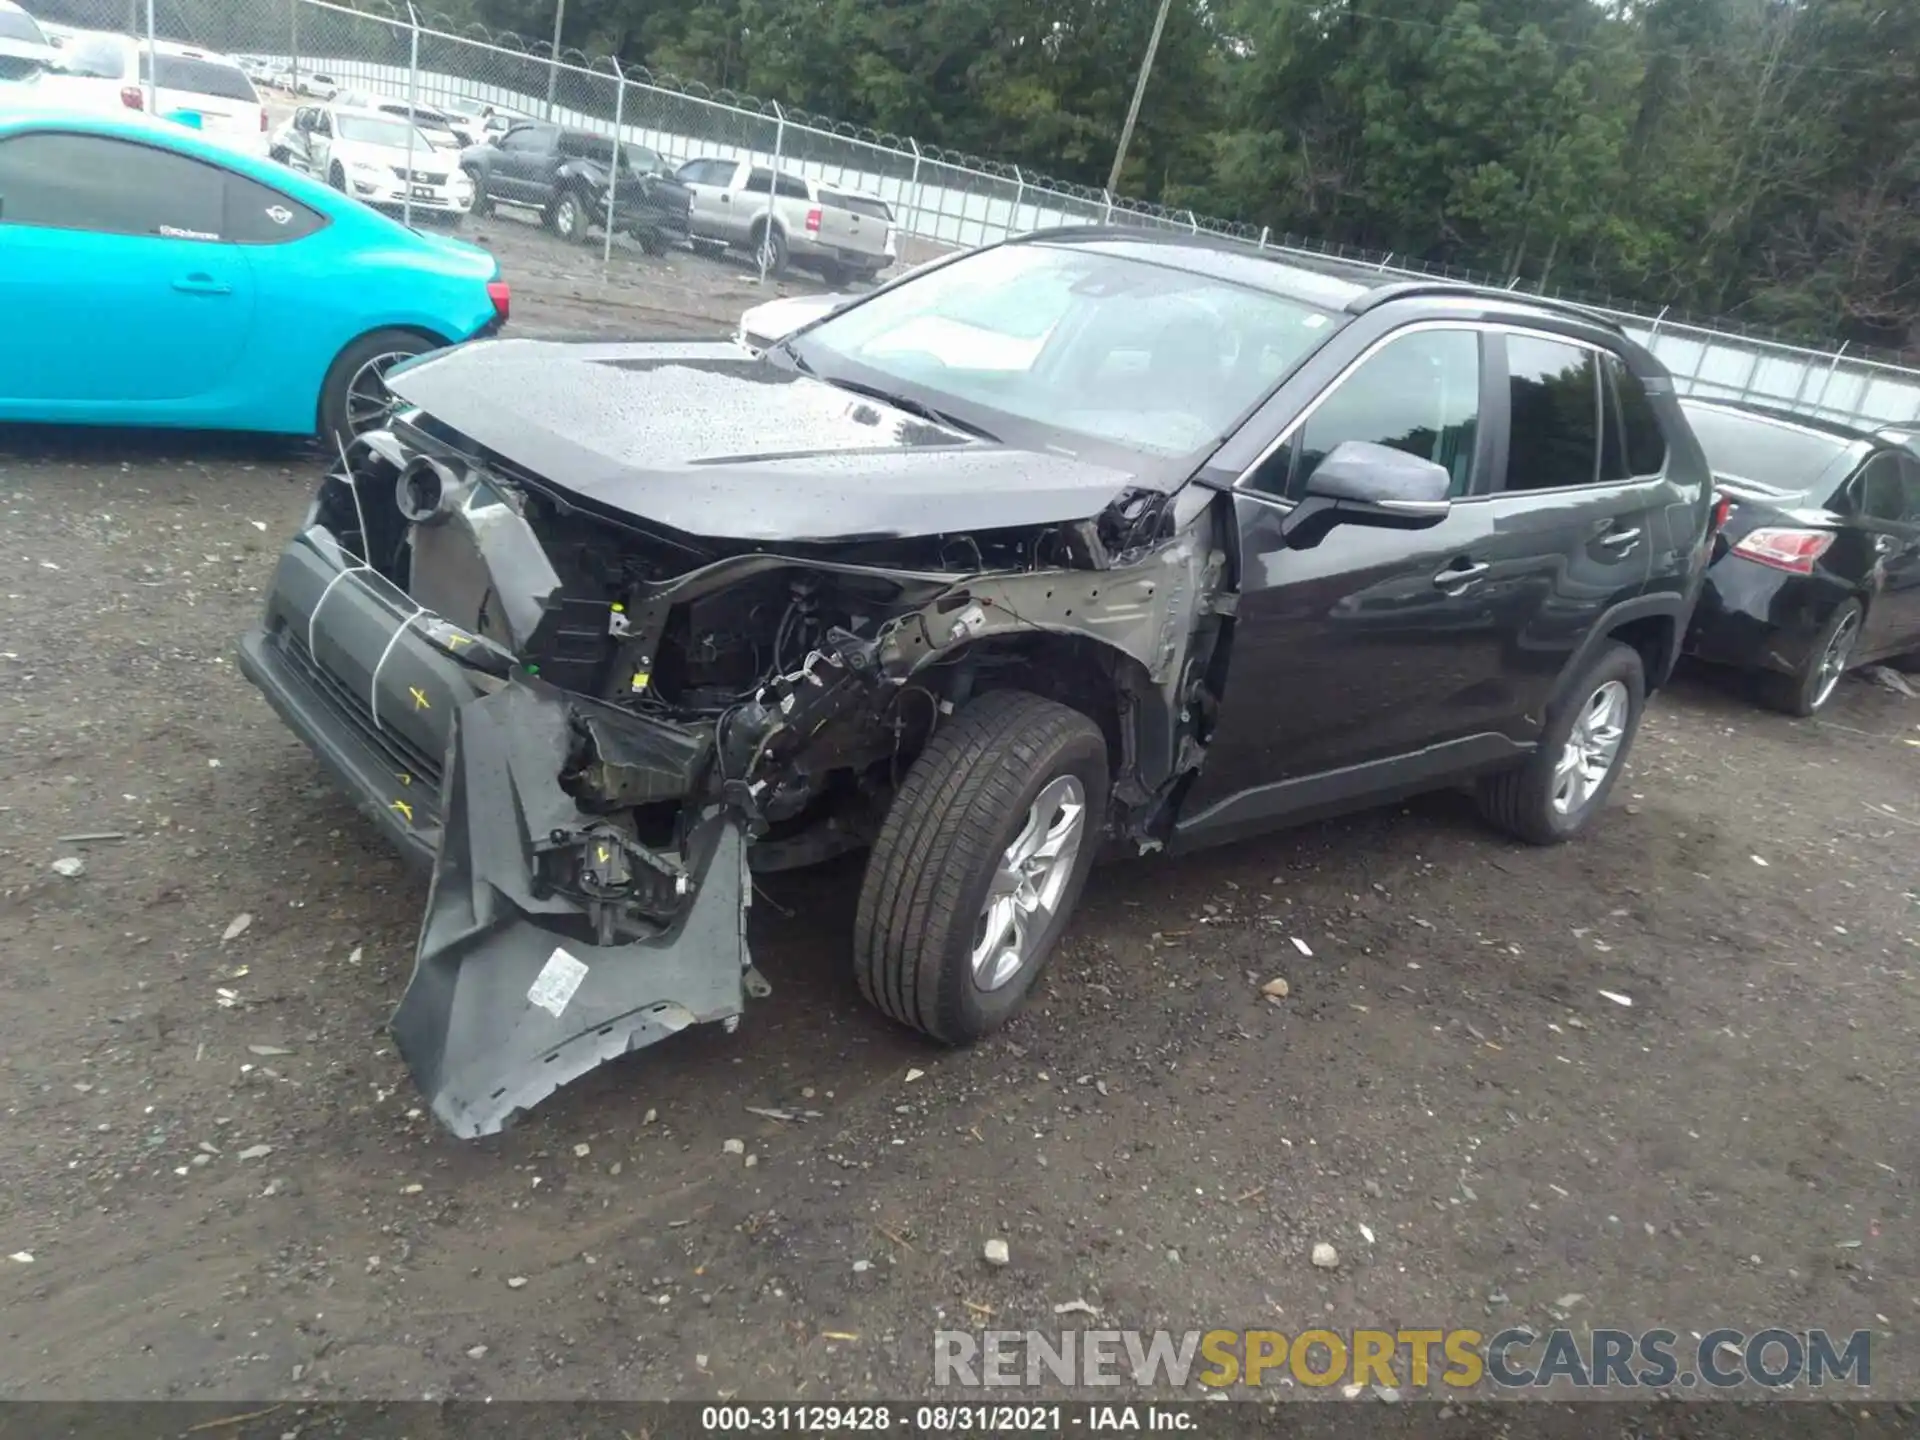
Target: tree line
pixel 1753 160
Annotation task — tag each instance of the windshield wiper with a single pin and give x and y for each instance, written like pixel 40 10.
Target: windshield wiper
pixel 911 406
pixel 886 396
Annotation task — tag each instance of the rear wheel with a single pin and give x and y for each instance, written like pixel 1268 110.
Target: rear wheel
pixel 1565 783
pixel 567 217
pixel 834 273
pixel 354 397
pixel 1828 658
pixel 983 855
pixel 651 241
pixel 769 250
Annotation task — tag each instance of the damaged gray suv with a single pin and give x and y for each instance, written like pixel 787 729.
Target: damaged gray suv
pixel 1087 541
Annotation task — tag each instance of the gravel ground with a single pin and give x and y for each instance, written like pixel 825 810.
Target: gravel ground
pixel 229 1189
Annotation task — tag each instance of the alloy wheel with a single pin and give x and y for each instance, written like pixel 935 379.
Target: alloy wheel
pixel 566 218
pixel 1028 883
pixel 1834 659
pixel 1591 749
pixel 369 402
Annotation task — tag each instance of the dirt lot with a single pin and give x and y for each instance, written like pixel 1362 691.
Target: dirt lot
pixel 228 1187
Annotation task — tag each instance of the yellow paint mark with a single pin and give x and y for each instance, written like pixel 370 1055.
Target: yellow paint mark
pixel 456 641
pixel 405 779
pixel 603 854
pixel 641 679
pixel 404 808
pixel 420 701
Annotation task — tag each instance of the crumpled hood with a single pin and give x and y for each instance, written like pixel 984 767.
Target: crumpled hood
pixel 708 441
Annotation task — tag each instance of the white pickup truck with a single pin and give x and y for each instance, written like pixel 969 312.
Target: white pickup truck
pixel 787 219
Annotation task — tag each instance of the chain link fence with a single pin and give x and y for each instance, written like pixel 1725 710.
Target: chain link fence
pixel 939 199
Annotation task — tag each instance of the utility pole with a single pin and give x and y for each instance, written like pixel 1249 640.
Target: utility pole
pixel 1139 90
pixel 553 62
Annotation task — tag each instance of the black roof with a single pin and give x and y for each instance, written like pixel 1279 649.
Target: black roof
pixel 1355 288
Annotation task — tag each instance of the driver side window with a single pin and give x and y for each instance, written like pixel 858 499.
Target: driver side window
pixel 1420 394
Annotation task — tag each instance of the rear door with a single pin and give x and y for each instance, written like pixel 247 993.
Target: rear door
pixel 119 286
pixel 518 170
pixel 1575 531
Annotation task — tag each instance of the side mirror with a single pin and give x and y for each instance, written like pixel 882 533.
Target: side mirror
pixel 1361 483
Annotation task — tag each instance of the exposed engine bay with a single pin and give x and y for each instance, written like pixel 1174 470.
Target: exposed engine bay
pixel 636 719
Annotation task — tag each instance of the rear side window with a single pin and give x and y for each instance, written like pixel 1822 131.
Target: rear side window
pixel 1554 391
pixel 118 187
pixel 1419 393
pixel 858 204
pixel 584 145
pixel 257 214
pixel 202 77
pixel 1878 493
pixel 1635 443
pixel 792 186
pixel 528 138
pixel 760 182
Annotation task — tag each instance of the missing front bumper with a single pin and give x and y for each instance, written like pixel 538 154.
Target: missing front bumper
pixel 511 996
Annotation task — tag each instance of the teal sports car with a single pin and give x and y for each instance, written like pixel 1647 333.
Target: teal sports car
pixel 151 277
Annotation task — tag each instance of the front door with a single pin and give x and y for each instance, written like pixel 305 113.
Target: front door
pixel 1372 642
pixel 94 232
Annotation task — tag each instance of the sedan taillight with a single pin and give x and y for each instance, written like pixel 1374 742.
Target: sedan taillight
pixel 133 97
pixel 1784 549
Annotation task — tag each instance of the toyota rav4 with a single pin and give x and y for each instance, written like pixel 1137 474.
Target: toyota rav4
pixel 1090 540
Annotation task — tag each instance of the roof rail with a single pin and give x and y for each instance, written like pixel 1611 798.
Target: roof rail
pixel 1404 289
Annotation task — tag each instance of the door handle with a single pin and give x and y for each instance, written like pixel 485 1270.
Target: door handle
pixel 198 284
pixel 1455 576
pixel 1621 539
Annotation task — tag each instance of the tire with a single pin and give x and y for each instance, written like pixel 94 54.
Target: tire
pixel 965 801
pixel 280 156
pixel 652 242
pixel 1907 664
pixel 834 273
pixel 1809 688
pixel 337 177
pixel 567 217
pixel 336 423
pixel 482 206
pixel 1522 801
pixel 774 244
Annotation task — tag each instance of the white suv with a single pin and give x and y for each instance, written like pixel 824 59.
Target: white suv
pixel 25 48
pixel 101 70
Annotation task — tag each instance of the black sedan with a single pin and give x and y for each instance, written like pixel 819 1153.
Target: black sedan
pixel 1817 569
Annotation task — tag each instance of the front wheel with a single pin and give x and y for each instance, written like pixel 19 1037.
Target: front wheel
pixel 354 397
pixel 1828 658
pixel 337 177
pixel 983 855
pixel 482 202
pixel 1583 749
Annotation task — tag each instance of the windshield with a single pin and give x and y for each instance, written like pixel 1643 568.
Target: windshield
pixel 1135 354
pixel 201 77
pixel 18 25
pixel 1771 452
pixel 369 130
